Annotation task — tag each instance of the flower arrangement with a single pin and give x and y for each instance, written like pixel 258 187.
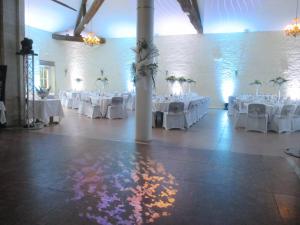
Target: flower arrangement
pixel 190 81
pixel 171 79
pixel 42 92
pixel 279 81
pixel 181 80
pixel 144 66
pixel 103 79
pixel 256 82
pixel 133 73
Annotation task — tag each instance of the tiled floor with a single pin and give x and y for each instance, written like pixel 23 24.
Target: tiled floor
pixel 77 173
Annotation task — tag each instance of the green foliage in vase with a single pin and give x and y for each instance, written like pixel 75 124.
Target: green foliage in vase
pixel 181 79
pixel 256 82
pixel 190 81
pixel 278 81
pixel 133 73
pixel 171 79
pixel 42 92
pixel 103 79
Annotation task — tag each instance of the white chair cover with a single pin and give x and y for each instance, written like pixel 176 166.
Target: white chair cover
pixel 87 108
pixel 240 115
pixel 2 113
pixel 257 118
pixel 175 117
pixel 231 102
pixel 296 119
pixel 116 110
pixel 283 122
pixel 189 118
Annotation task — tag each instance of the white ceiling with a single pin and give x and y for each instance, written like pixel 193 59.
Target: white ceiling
pixel 117 18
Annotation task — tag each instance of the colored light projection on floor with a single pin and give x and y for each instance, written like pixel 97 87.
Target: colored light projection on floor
pixel 122 189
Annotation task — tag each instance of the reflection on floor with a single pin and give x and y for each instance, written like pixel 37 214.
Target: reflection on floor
pixel 69 174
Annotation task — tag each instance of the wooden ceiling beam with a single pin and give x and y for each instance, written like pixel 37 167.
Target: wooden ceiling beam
pixel 82 12
pixel 191 8
pixel 87 17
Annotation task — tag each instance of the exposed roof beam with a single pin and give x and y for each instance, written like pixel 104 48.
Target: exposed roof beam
pixel 82 12
pixel 79 38
pixel 191 8
pixel 88 16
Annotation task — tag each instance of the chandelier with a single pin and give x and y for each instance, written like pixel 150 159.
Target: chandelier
pixel 293 29
pixel 91 39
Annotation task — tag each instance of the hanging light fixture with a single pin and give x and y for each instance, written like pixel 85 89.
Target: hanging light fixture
pixel 91 39
pixel 293 29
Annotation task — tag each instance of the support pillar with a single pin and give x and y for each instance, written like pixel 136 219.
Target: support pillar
pixel 145 11
pixel 12 31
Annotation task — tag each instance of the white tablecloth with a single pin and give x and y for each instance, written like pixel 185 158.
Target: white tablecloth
pixel 103 102
pixel 163 105
pixel 46 108
pixel 2 113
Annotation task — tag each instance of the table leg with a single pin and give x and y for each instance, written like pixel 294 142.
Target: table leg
pixel 51 121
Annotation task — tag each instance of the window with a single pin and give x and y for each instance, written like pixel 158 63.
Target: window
pixel 44 76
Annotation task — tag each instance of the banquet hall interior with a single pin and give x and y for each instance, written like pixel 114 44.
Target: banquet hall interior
pixel 150 112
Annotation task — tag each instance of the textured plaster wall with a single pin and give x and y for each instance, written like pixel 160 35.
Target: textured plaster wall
pixel 222 64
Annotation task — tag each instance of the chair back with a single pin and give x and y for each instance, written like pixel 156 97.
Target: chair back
pixel 231 100
pixel 287 110
pixel 297 111
pixel 176 107
pixel 256 110
pixel 191 105
pixel 117 101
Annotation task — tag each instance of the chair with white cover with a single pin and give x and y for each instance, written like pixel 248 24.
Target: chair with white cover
pixel 75 100
pixel 257 118
pixel 88 108
pixel 64 98
pixel 175 117
pixel 240 115
pixel 296 119
pixel 231 103
pixel 116 110
pixel 282 122
pixel 189 115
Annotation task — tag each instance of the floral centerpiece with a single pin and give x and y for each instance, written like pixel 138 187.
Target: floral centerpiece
pixel 278 82
pixel 190 81
pixel 43 92
pixel 257 84
pixel 144 66
pixel 171 79
pixel 103 80
pixel 181 80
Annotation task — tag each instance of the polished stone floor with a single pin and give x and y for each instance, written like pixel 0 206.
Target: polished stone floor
pixel 86 172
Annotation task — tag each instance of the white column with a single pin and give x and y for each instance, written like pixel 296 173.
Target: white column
pixel 143 129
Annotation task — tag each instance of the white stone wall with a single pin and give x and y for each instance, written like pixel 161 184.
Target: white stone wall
pixel 222 64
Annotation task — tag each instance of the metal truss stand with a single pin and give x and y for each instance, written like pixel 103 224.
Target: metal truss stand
pixel 29 90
